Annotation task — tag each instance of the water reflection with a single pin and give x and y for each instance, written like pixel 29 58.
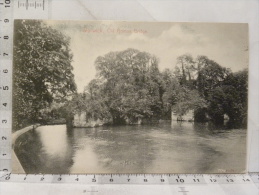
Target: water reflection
pixel 161 148
pixel 51 138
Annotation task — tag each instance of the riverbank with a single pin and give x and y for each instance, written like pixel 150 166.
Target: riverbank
pixel 18 133
pixel 16 165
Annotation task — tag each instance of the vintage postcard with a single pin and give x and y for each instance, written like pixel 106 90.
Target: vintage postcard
pixel 129 97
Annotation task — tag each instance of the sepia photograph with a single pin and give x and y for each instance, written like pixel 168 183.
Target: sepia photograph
pixel 129 97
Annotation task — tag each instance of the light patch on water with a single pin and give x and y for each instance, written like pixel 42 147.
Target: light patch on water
pixel 86 161
pixel 54 140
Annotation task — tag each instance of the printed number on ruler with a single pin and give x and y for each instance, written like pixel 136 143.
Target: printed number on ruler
pixel 164 179
pixel 6 48
pixel 6 3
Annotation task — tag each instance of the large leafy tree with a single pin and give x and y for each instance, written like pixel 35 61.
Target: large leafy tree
pixel 219 90
pixel 230 98
pixel 42 70
pixel 209 75
pixel 185 69
pixel 132 83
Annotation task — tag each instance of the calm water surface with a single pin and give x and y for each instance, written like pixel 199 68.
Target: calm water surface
pixel 161 148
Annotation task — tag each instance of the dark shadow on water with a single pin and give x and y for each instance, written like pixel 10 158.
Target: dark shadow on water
pixel 32 149
pixel 168 147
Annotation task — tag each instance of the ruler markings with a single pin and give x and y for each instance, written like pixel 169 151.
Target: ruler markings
pixel 6 48
pixel 124 179
pixel 23 8
pixel 5 134
pixel 27 4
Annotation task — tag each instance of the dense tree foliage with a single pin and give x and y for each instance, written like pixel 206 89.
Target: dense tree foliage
pixel 230 98
pixel 42 70
pixel 129 85
pixel 221 92
pixel 185 69
pixel 209 75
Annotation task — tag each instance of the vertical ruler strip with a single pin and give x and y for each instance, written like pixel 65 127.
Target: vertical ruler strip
pixel 38 9
pixel 10 10
pixel 6 55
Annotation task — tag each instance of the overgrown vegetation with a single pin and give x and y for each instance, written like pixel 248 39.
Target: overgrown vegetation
pixel 42 72
pixel 128 84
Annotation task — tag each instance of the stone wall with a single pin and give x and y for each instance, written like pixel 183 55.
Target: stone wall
pixel 189 116
pixel 16 164
pixel 80 120
pixel 133 121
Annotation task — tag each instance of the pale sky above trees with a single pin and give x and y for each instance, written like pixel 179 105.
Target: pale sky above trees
pixel 227 44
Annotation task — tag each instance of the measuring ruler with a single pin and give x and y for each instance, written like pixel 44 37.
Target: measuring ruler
pixel 182 184
pixel 135 178
pixel 6 50
pixel 10 10
pixel 38 9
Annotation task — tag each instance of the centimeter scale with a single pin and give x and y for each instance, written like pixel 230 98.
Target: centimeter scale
pixel 252 178
pixel 38 9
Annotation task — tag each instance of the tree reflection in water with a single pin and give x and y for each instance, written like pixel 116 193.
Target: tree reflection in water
pixel 158 148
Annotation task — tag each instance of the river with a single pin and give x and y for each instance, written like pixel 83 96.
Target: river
pixel 158 148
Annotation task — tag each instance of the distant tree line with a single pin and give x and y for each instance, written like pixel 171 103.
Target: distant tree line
pixel 129 85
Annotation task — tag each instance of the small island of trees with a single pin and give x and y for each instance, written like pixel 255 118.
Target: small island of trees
pixel 128 88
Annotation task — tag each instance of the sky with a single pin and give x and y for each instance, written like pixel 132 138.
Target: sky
pixel 225 43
